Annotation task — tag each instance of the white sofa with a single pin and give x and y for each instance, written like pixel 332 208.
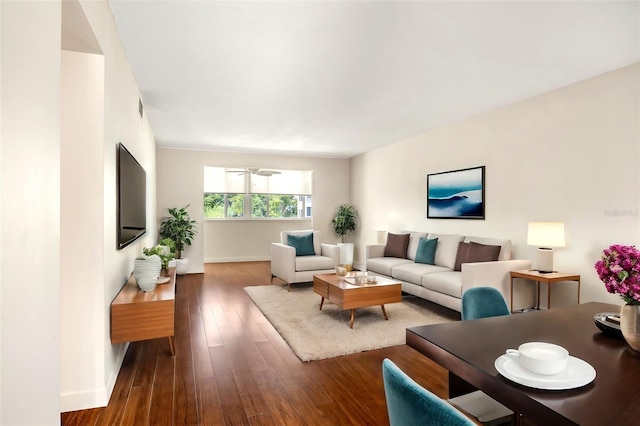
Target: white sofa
pixel 298 269
pixel 439 283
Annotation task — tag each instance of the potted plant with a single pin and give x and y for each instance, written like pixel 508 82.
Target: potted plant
pixel 179 227
pixel 619 270
pixel 344 222
pixel 163 252
pixel 169 244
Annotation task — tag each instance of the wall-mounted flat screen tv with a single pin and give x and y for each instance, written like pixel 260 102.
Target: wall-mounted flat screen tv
pixel 132 198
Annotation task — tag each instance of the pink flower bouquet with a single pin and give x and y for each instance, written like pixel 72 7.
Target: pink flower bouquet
pixel 619 270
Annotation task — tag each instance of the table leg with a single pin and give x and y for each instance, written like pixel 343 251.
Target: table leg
pixel 173 352
pixel 321 302
pixel 548 295
pixel 578 291
pixel 384 312
pixel 538 298
pixel 353 312
pixel 511 305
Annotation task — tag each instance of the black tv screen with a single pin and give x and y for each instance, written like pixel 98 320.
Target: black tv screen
pixel 132 198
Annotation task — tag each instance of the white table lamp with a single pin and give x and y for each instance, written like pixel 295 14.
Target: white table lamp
pixel 545 235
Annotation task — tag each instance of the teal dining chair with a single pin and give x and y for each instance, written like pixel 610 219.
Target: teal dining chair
pixel 483 302
pixel 410 404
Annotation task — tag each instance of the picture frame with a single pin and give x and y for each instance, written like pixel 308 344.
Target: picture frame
pixel 456 194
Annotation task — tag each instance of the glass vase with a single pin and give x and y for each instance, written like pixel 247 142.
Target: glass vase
pixel 630 325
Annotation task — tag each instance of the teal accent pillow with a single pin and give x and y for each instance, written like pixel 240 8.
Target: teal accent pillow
pixel 302 243
pixel 426 252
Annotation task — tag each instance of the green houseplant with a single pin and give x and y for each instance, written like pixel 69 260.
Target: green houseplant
pixel 345 220
pixel 162 252
pixel 168 242
pixel 179 227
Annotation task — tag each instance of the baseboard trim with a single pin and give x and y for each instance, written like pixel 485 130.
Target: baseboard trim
pixel 83 400
pixel 236 259
pixel 93 398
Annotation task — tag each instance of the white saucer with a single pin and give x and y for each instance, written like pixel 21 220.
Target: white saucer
pixel 162 280
pixel 578 373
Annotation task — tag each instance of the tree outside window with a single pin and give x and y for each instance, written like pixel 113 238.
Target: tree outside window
pixel 264 197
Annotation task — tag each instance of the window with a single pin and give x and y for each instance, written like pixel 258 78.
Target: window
pixel 223 205
pixel 244 193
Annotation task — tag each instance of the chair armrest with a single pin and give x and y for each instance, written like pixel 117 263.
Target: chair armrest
pixel 332 251
pixel 375 250
pixel 283 261
pixel 492 274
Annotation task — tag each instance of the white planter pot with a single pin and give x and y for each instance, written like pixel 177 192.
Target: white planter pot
pixel 346 253
pixel 182 266
pixel 147 265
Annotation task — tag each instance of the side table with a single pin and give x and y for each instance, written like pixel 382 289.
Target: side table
pixel 549 278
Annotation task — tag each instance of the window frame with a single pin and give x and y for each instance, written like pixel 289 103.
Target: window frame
pixel 305 203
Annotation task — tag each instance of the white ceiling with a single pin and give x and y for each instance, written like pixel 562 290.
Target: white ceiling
pixel 338 78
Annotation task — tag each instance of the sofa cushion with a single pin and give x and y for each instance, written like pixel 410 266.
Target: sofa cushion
pixel 505 245
pixel 414 240
pixel 313 263
pixel 302 243
pixel 449 283
pixel 447 249
pixel 474 252
pixel 384 265
pixel 397 245
pixel 426 252
pixel 413 272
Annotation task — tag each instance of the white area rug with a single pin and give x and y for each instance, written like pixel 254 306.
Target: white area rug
pixel 315 334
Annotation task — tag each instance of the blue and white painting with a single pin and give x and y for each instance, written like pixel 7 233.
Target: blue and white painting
pixel 458 194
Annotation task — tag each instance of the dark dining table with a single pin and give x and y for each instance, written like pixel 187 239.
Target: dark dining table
pixel 468 350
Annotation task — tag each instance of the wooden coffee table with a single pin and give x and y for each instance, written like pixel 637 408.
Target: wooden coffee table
pixel 350 296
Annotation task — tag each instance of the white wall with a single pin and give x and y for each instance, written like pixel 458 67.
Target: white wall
pixel 122 123
pixel 245 240
pixel 181 181
pixel 81 225
pixel 569 155
pixel 30 200
pixel 53 360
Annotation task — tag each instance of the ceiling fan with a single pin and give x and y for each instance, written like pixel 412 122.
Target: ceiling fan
pixel 255 171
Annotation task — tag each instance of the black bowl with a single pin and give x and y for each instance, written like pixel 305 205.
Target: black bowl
pixel 607 327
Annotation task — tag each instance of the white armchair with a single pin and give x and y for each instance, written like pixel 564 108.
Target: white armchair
pixel 298 269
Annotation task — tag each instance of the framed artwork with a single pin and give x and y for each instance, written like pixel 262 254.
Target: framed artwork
pixel 458 194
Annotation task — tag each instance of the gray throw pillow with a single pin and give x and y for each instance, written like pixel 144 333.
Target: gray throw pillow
pixel 397 245
pixel 461 257
pixel 476 252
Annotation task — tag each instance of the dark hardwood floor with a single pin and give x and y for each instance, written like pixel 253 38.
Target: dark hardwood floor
pixel 232 367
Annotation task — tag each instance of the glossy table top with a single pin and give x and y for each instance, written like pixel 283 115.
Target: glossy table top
pixel 468 349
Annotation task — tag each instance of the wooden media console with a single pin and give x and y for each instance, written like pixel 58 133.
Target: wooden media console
pixel 138 315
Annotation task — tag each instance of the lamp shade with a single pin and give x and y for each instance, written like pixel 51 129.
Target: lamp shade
pixel 546 234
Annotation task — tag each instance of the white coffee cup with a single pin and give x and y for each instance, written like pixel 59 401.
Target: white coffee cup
pixel 540 357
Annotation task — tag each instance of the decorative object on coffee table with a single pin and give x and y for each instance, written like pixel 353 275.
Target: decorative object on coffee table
pixel 619 270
